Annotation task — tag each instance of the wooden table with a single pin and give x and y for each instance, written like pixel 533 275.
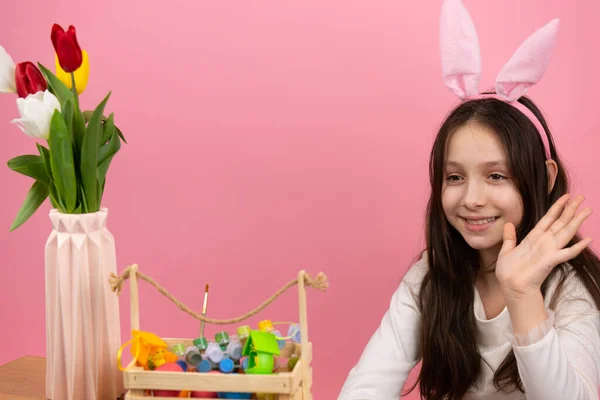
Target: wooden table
pixel 23 379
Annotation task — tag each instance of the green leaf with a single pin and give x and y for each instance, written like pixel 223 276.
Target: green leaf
pixel 89 156
pixel 108 129
pixel 61 161
pixel 53 202
pixel 109 149
pixel 30 165
pixel 88 114
pixel 45 155
pixel 55 199
pixel 35 197
pixel 78 129
pixel 99 192
pixel 59 89
pixel 67 113
pixel 102 171
pixel 78 133
pixel 121 135
pixel 83 203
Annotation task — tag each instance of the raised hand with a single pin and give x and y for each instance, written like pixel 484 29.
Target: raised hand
pixel 522 269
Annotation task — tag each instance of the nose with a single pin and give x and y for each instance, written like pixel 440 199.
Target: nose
pixel 474 196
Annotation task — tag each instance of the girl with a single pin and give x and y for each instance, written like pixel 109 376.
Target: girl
pixel 504 302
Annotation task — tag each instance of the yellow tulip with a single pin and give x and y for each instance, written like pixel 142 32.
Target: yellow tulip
pixel 81 74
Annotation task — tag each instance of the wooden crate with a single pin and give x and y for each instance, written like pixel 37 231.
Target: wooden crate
pixel 286 385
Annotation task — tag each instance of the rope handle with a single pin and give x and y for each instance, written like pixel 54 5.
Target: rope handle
pixel 116 282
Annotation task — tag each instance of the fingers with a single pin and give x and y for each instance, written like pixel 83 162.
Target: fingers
pixel 566 234
pixel 567 214
pixel 509 237
pixel 569 253
pixel 553 213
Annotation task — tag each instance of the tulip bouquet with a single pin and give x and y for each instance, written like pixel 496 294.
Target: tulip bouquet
pixel 72 169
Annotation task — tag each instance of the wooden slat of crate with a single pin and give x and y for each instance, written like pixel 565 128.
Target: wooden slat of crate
pixel 297 372
pixel 142 397
pixel 165 380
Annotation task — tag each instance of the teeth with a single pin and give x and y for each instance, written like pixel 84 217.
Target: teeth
pixel 480 221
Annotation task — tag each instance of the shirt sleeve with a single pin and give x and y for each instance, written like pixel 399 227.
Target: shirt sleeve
pixel 565 362
pixel 391 352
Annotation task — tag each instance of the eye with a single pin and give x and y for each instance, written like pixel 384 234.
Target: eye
pixel 453 178
pixel 497 177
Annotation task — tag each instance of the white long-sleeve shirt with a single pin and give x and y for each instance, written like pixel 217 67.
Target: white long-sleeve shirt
pixel 562 364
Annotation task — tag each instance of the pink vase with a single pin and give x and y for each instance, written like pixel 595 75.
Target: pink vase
pixel 83 332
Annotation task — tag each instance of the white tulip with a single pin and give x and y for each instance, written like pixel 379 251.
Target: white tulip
pixel 7 72
pixel 36 113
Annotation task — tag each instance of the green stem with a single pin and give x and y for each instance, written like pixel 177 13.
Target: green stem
pixel 76 148
pixel 74 89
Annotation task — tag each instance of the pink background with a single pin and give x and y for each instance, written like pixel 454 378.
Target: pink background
pixel 267 137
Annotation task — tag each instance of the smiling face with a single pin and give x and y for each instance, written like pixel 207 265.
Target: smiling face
pixel 478 195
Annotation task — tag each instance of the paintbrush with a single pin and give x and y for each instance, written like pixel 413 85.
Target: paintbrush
pixel 204 310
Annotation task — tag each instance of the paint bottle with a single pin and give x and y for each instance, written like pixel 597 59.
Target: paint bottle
pixel 222 338
pixel 192 355
pixel 214 352
pixel 294 332
pixel 234 350
pixel 243 333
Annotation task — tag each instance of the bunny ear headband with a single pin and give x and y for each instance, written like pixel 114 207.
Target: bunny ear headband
pixel 461 61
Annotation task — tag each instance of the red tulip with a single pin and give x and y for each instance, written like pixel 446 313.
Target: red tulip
pixel 29 79
pixel 66 47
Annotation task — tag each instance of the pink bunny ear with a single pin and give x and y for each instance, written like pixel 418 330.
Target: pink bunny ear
pixel 459 50
pixel 528 64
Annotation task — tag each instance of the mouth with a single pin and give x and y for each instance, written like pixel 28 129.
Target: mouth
pixel 479 224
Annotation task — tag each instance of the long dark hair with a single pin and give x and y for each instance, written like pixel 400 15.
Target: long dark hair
pixel 451 362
